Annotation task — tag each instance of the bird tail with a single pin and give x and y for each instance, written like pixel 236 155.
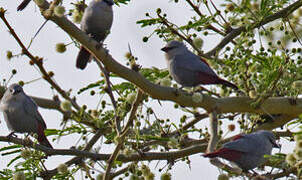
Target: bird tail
pixel 23 5
pixel 45 142
pixel 83 58
pixel 228 154
pixel 212 154
pixel 227 83
pixel 42 138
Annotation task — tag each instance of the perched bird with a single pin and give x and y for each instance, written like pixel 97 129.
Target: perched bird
pixel 23 5
pixel 247 150
pixel 96 22
pixel 21 114
pixel 188 69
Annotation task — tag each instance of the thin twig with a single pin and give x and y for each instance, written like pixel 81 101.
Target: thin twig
pixel 235 32
pixel 75 160
pixel 108 90
pixel 213 131
pixel 138 100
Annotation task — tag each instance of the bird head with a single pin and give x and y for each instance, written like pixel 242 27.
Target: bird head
pixel 15 89
pixel 174 48
pixel 271 137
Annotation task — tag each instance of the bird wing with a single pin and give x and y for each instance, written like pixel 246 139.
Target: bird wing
pixel 31 109
pixel 191 62
pixel 243 143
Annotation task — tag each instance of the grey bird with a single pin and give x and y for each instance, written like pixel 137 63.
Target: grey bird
pixel 188 69
pixel 247 150
pixel 21 114
pixel 96 22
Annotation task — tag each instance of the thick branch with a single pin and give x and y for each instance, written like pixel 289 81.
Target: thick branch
pixel 104 157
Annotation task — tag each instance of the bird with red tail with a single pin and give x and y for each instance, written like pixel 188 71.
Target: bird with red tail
pixel 21 114
pixel 188 69
pixel 247 150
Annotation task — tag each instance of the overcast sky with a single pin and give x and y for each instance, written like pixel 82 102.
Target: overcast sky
pixel 124 31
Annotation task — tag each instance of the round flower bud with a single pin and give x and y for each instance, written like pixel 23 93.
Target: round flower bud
pixel 165 176
pixel 150 176
pixel 26 153
pixel 99 123
pixel 131 98
pixel 100 176
pixel 299 145
pixel 231 127
pixel 145 170
pixel 65 106
pixel 128 55
pixel 298 137
pixel 9 55
pixel 297 85
pixel 198 42
pixel 298 154
pixel 77 16
pixel 59 11
pixel 230 7
pixel 39 2
pixel 252 94
pixel 19 175
pixel 290 159
pixel 60 47
pixel 223 177
pixel 165 82
pixel 197 97
pixel 62 168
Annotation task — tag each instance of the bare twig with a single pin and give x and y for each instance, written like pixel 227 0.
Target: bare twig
pixel 138 100
pixel 213 131
pixel 108 90
pixel 75 160
pixel 235 32
pixel 195 8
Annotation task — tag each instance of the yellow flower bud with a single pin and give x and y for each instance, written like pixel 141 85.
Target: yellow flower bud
pixel 197 97
pixel 62 168
pixel 59 11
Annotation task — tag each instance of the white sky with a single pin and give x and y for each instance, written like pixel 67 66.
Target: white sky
pixel 124 31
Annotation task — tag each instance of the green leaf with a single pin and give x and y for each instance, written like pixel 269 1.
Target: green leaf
pixel 10 147
pixel 13 160
pixel 11 152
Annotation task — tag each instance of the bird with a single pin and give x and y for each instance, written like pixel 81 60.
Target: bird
pixel 96 22
pixel 23 5
pixel 188 69
pixel 247 150
pixel 21 114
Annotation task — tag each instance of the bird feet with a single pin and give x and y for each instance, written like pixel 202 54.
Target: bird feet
pixel 178 90
pixel 10 135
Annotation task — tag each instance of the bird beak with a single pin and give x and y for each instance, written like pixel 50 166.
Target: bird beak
pixel 14 92
pixel 166 49
pixel 109 2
